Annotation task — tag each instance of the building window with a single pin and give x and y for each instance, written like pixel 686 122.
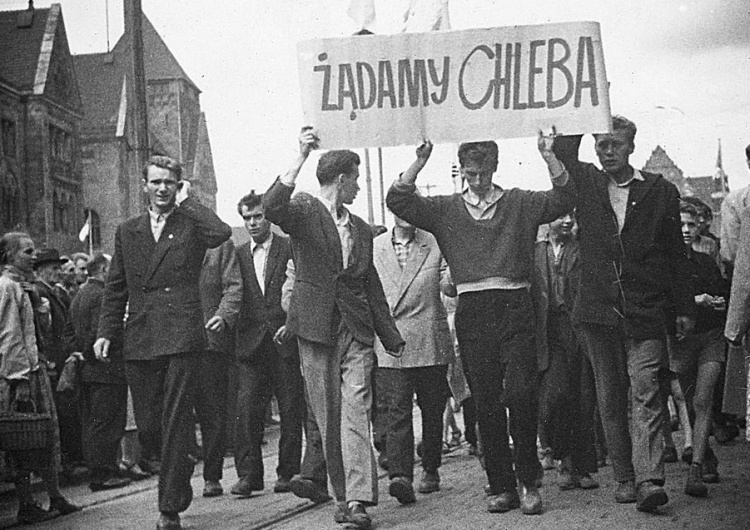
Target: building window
pixel 8 133
pixel 62 212
pixel 10 200
pixel 60 144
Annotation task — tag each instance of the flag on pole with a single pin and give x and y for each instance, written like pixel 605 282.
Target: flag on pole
pixel 362 12
pixel 85 230
pixel 426 15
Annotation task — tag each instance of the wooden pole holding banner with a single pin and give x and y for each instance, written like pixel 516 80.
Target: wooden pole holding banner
pixel 382 188
pixel 368 178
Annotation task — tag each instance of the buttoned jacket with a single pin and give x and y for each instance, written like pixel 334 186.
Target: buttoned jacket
pixel 570 270
pixel 261 313
pixel 158 282
pixel 413 295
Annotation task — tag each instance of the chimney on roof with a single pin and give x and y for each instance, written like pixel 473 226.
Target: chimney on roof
pixel 25 18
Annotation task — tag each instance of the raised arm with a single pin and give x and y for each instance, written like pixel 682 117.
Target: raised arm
pixel 276 199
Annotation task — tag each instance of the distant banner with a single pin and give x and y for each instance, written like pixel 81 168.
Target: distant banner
pixel 454 86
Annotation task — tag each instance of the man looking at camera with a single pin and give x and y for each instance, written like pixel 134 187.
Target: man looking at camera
pixel 155 272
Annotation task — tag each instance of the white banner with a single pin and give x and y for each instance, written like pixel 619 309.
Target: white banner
pixel 454 86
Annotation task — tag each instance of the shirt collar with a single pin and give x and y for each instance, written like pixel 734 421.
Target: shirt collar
pixel 264 245
pixel 402 240
pixel 636 176
pixel 491 198
pixel 341 217
pixel 155 216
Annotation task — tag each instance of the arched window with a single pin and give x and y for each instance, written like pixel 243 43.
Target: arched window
pixel 10 200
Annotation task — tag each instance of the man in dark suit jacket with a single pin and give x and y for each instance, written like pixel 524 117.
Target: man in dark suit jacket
pixel 155 273
pixel 336 309
pixel 104 390
pixel 264 368
pixel 635 288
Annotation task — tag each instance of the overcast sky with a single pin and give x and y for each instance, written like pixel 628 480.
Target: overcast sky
pixel 679 68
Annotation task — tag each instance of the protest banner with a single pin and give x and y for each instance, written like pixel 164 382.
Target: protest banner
pixel 454 86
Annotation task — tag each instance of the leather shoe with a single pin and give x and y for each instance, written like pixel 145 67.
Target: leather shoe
pixel 307 489
pixel 401 488
pixel 282 485
pixel 531 500
pixel 212 488
pixel 430 482
pixel 109 484
pixel 62 506
pixel 168 522
pixel 503 502
pixel 587 482
pixel 357 516
pixel 650 497
pixel 246 486
pixel 625 492
pixel 32 513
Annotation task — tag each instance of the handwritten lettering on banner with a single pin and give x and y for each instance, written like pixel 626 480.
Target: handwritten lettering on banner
pixel 453 86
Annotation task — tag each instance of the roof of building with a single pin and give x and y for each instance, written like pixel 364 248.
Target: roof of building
pixel 100 75
pixel 20 46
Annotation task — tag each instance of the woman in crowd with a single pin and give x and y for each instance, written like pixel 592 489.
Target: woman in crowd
pixel 23 378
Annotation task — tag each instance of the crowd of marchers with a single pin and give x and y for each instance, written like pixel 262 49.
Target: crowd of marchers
pixel 574 327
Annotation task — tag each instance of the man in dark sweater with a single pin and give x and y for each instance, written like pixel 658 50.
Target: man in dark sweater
pixel 634 280
pixel 487 237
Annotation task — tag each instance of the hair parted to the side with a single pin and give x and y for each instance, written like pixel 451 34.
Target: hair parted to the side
pixel 164 162
pixel 334 163
pixel 480 152
pixel 250 201
pixel 10 243
pixel 621 123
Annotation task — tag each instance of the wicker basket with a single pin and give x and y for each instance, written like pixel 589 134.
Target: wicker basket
pixel 21 431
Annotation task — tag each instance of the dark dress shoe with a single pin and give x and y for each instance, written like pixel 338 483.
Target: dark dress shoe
pixel 650 497
pixel 430 482
pixel 246 486
pixel 402 490
pixel 531 500
pixel 62 506
pixel 32 513
pixel 168 522
pixel 212 488
pixel 282 485
pixel 503 502
pixel 357 516
pixel 111 483
pixel 307 489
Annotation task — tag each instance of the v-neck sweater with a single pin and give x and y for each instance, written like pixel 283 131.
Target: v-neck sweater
pixel 499 247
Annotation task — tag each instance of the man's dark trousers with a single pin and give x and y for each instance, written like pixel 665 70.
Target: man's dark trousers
pixel 495 330
pixel 163 404
pixel 269 373
pixel 104 414
pixel 211 409
pixel 396 388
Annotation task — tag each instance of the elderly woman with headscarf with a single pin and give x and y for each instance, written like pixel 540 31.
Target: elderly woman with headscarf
pixel 23 377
